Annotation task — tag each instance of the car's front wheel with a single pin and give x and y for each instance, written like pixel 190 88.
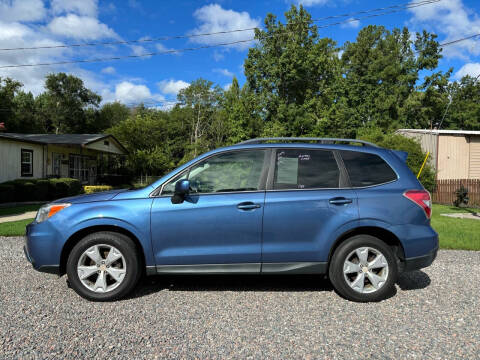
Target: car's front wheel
pixel 363 268
pixel 103 266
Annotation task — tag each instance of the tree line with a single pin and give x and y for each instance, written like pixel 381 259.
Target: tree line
pixel 297 84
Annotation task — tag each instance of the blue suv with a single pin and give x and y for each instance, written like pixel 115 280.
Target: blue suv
pixel 264 206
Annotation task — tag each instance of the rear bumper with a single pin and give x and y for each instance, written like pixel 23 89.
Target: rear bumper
pixel 419 262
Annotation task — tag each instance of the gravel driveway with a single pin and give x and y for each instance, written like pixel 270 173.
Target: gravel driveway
pixel 435 314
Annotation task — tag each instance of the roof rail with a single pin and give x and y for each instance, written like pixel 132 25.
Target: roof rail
pixel 306 139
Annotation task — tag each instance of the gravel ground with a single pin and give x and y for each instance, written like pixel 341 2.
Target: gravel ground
pixel 434 314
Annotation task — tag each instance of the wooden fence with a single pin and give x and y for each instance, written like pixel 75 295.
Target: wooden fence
pixel 445 191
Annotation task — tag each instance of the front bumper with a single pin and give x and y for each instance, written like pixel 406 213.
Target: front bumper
pixel 51 269
pixel 42 249
pixel 419 262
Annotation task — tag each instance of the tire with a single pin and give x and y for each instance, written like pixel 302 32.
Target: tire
pixel 374 280
pixel 109 277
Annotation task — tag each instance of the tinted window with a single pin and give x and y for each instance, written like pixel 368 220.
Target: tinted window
pixel 305 169
pixel 367 169
pixel 233 171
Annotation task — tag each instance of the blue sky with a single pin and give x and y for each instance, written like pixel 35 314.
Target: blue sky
pixel 157 79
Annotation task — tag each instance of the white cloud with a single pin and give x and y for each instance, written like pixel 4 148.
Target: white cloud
pixel 108 70
pixel 453 20
pixel 224 72
pixel 21 10
pixel 213 18
pixel 472 69
pixel 130 93
pixel 14 35
pixel 311 2
pixel 83 7
pixel 163 48
pixel 227 87
pixel 351 23
pixel 80 27
pixel 218 56
pixel 172 87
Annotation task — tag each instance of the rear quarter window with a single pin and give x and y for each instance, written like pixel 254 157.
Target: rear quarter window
pixel 367 169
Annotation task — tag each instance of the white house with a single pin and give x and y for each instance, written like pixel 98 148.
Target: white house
pixel 79 156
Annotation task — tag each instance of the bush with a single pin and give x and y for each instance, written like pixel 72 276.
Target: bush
pixel 462 196
pixel 89 189
pixel 38 189
pixel 23 189
pixel 7 193
pixel 416 156
pixel 63 187
pixel 41 190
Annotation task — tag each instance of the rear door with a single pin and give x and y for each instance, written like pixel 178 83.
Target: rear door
pixel 307 199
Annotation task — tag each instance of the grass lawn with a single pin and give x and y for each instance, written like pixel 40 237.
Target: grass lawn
pixel 456 233
pixel 14 228
pixel 16 210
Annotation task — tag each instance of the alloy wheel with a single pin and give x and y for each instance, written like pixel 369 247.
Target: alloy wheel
pixel 101 268
pixel 365 270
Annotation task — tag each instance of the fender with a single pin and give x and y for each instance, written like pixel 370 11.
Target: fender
pixel 122 214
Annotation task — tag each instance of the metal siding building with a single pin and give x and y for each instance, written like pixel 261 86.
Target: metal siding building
pixel 455 154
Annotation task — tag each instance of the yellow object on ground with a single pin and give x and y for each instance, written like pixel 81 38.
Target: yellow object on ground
pixel 88 189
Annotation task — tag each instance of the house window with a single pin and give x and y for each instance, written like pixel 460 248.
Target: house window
pixel 26 162
pixel 78 167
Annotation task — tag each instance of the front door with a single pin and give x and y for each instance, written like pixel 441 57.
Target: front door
pixel 306 202
pixel 219 225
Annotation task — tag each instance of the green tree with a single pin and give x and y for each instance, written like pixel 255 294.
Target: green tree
pixel 67 100
pixel 381 70
pixel 8 90
pixel 293 72
pixel 464 110
pixel 200 101
pixel 26 118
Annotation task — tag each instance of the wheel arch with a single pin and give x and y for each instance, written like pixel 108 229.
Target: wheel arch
pixel 80 234
pixel 383 234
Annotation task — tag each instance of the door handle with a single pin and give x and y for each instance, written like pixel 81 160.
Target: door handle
pixel 340 201
pixel 248 206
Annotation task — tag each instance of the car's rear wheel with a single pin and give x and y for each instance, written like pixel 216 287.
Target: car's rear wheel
pixel 363 268
pixel 104 266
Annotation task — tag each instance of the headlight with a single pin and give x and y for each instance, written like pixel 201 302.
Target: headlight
pixel 49 210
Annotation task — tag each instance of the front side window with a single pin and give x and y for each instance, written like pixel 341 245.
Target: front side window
pixel 366 169
pixel 227 172
pixel 305 169
pixel 26 162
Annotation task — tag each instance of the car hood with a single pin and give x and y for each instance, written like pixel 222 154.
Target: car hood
pixel 99 196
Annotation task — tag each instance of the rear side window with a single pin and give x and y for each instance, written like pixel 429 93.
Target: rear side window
pixel 367 169
pixel 305 169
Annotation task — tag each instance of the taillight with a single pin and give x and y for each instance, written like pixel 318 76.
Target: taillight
pixel 422 199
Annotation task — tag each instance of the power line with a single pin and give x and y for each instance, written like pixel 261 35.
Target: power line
pixel 173 51
pixel 401 7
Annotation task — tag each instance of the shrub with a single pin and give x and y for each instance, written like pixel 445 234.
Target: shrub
pixel 462 196
pixel 41 190
pixel 38 189
pixel 63 187
pixel 97 188
pixel 7 193
pixel 23 189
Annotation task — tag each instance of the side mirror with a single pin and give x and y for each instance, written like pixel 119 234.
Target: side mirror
pixel 182 188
